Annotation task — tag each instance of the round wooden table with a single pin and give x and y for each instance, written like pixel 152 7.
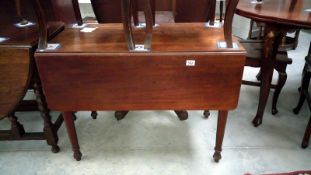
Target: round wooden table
pixel 280 17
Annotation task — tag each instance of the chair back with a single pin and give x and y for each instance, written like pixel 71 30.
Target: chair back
pixel 229 14
pixel 230 10
pixel 67 11
pixel 109 11
pixel 194 11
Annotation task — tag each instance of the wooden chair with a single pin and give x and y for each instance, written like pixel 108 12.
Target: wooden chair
pixel 109 11
pixel 18 69
pixel 67 11
pixel 253 59
pixel 254 48
pixel 304 94
pixel 195 11
pixel 221 9
pixel 256 32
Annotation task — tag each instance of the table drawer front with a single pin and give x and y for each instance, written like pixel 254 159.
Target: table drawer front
pixel 102 82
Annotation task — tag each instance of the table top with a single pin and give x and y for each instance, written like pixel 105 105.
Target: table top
pixel 109 38
pixel 286 12
pixel 184 70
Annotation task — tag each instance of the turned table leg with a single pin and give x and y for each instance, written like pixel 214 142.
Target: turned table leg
pixel 49 130
pixel 71 131
pixel 221 126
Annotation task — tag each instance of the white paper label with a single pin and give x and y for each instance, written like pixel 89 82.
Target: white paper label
pixel 88 29
pixel 190 63
pixel 308 10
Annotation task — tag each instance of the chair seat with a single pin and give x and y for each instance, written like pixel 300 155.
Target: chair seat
pixel 254 58
pixel 254 52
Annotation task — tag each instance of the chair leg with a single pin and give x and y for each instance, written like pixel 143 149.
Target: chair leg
pixel 17 129
pixel 306 137
pixel 304 87
pixel 221 9
pixel 250 30
pixel 206 114
pixel 182 115
pixel 119 115
pixel 49 130
pixel 94 115
pixel 258 76
pixel 135 12
pixel 279 87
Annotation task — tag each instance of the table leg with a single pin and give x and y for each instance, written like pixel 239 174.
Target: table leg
pixel 306 137
pixel 119 115
pixel 71 131
pixel 49 130
pixel 206 114
pixel 221 126
pixel 273 37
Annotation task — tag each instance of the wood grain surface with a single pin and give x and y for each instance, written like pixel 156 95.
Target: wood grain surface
pixel 95 71
pixel 288 12
pixel 15 66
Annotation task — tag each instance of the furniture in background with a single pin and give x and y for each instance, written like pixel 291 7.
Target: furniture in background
pixel 67 11
pixel 18 71
pixel 279 16
pixel 221 9
pixel 254 58
pixel 110 11
pixel 256 32
pixel 254 49
pixel 256 35
pixel 204 11
pixel 168 73
pixel 304 94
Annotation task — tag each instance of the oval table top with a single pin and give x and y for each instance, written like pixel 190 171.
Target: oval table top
pixel 286 12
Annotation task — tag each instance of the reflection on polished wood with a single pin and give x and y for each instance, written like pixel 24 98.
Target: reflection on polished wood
pixel 284 12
